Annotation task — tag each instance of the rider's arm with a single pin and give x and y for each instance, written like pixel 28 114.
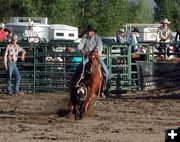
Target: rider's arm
pixel 81 46
pixel 99 45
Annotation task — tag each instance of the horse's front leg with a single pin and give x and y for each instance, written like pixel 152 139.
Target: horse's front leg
pixel 89 101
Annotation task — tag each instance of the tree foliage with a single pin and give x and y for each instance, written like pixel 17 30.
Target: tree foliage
pixel 168 9
pixel 139 12
pixel 106 15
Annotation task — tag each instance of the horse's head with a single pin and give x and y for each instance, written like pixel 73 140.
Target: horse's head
pixel 93 63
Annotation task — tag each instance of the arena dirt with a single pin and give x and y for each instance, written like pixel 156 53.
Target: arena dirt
pixel 132 118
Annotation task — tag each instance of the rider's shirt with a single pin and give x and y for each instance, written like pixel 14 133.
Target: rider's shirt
pixel 88 44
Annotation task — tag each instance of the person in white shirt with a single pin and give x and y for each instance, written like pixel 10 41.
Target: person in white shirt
pixel 121 36
pixel 165 36
pixel 30 34
pixel 164 32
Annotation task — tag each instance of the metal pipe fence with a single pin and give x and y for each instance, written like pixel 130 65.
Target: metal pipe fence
pixel 49 67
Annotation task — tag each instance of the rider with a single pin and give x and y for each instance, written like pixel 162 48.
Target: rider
pixel 92 42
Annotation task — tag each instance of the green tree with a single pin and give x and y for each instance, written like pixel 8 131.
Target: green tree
pixel 139 12
pixel 60 11
pixel 168 9
pixel 106 15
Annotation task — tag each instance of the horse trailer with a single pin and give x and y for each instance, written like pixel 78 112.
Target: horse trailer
pixel 46 32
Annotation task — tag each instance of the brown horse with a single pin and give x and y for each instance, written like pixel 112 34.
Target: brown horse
pixel 85 89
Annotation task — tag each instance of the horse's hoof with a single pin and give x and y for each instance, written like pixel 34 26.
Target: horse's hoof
pixel 102 95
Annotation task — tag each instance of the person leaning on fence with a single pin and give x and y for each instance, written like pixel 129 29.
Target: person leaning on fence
pixel 10 59
pixel 73 60
pixel 7 35
pixel 30 35
pixel 177 37
pixel 164 32
pixel 121 36
pixel 133 39
pixel 90 42
pixel 164 37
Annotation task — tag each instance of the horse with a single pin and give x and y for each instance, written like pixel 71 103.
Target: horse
pixel 84 90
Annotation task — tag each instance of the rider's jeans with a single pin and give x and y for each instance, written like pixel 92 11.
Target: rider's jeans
pixel 105 70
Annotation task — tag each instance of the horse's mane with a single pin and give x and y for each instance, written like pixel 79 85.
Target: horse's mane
pixel 93 61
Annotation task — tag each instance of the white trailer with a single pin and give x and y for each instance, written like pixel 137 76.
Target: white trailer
pixel 17 25
pixel 148 31
pixel 63 32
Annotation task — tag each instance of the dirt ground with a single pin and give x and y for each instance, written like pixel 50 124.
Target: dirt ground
pixel 135 117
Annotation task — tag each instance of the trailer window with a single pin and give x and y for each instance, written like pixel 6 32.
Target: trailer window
pixel 59 34
pixel 71 35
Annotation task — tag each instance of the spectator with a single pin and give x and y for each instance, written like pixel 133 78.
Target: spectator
pixel 74 59
pixel 30 35
pixel 56 64
pixel 165 36
pixel 133 39
pixel 54 58
pixel 10 59
pixel 177 38
pixel 7 35
pixel 2 33
pixel 121 36
pixel 164 32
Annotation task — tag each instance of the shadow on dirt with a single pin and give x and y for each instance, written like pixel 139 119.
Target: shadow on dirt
pixel 147 95
pixel 63 112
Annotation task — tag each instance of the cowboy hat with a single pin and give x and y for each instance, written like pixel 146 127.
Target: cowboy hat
pixel 31 23
pixel 6 30
pixel 2 26
pixel 14 37
pixel 136 30
pixel 165 21
pixel 91 28
pixel 121 30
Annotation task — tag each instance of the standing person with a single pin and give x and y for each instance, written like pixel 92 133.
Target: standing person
pixel 164 32
pixel 177 37
pixel 10 59
pixel 121 36
pixel 165 36
pixel 30 34
pixel 90 42
pixel 7 35
pixel 2 32
pixel 74 60
pixel 133 39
